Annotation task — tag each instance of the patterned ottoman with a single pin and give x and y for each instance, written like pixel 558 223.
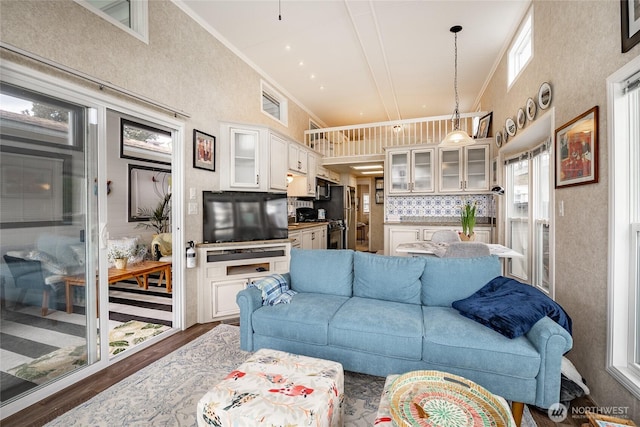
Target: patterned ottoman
pixel 276 388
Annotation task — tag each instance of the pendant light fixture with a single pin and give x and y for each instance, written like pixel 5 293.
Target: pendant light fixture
pixel 457 137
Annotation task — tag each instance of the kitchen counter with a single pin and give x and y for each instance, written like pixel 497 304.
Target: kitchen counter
pixel 294 226
pixel 446 221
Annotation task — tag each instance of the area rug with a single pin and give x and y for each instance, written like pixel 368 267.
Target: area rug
pixel 66 359
pixel 166 392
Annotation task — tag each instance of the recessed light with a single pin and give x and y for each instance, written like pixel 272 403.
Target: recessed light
pixel 365 167
pixel 321 87
pixel 312 76
pixel 287 47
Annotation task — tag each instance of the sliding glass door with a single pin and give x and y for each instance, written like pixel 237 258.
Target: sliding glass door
pixel 48 240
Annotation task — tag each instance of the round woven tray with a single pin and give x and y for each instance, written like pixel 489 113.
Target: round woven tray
pixel 434 398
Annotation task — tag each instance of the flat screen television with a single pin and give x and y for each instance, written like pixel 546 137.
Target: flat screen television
pixel 234 216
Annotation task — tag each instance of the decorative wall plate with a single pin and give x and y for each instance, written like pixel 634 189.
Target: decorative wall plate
pixel 505 135
pixel 532 108
pixel 511 127
pixel 544 96
pixel 520 118
pixel 499 139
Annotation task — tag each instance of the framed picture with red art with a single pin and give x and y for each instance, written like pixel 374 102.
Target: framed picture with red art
pixel 577 150
pixel 204 151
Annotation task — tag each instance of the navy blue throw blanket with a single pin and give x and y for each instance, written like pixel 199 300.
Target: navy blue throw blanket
pixel 510 307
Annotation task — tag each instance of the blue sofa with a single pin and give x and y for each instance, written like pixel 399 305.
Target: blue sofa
pixel 381 315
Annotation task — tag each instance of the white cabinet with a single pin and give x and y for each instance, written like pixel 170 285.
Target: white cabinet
pixel 297 158
pixel 253 159
pixel 305 185
pixel 226 269
pixel 296 239
pixel 410 171
pixel 464 169
pixel 314 238
pixel 278 163
pixel 397 234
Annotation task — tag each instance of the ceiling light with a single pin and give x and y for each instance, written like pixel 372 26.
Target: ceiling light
pixel 457 137
pixel 365 167
pixel 397 128
pixel 372 172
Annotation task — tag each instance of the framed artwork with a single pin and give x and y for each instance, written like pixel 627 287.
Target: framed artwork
pixel 577 150
pixel 147 188
pixel 629 23
pixel 483 126
pixel 36 188
pixel 204 151
pixel 146 143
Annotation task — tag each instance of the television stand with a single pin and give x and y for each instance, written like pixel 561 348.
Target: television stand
pixel 224 269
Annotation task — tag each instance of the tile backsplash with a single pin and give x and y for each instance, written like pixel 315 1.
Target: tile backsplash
pixel 441 205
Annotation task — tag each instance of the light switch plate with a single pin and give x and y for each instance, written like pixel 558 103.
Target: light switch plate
pixel 193 209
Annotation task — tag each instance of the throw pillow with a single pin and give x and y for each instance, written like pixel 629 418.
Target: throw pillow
pixel 510 307
pixel 389 278
pixel 48 262
pixel 275 289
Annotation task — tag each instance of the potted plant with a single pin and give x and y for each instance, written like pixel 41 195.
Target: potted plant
pixel 159 218
pixel 120 256
pixel 468 220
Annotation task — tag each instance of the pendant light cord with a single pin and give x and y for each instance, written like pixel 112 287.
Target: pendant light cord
pixel 456 112
pixel 279 11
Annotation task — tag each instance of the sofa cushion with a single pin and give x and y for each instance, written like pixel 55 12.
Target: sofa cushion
pixel 388 278
pixel 446 280
pixel 306 319
pixel 378 327
pixel 452 340
pixel 322 271
pixel 510 307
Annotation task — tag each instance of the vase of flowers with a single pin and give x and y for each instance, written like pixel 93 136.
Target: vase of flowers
pixel 468 221
pixel 120 256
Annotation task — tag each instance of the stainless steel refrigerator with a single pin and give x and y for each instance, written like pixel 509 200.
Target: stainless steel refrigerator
pixel 342 206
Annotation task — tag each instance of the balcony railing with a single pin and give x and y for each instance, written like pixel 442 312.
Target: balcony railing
pixel 371 139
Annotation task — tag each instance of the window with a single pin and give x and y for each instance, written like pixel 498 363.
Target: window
pixel 623 355
pixel 274 104
pixel 521 50
pixel 129 15
pixel 528 216
pixel 366 203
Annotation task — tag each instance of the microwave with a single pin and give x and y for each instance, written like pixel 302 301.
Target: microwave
pixel 323 189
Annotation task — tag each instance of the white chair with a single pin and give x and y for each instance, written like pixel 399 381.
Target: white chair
pixel 445 236
pixel 466 250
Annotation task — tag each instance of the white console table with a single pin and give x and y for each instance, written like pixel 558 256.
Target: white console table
pixel 224 269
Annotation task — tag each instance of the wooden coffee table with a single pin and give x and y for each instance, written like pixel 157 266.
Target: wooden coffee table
pixel 139 271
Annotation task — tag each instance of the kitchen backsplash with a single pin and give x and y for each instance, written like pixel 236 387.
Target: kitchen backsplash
pixel 399 207
pixel 293 203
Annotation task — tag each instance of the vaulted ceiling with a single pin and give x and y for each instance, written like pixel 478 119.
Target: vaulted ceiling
pixel 363 61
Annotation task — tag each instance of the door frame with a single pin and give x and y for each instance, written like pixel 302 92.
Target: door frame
pixel 68 89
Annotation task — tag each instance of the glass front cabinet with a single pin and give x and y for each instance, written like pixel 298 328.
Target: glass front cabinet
pixel 464 169
pixel 411 171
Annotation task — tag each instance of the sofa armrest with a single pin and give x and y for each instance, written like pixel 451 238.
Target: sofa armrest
pixel 249 300
pixel 552 341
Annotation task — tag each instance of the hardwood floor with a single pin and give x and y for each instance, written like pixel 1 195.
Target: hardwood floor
pixel 52 407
